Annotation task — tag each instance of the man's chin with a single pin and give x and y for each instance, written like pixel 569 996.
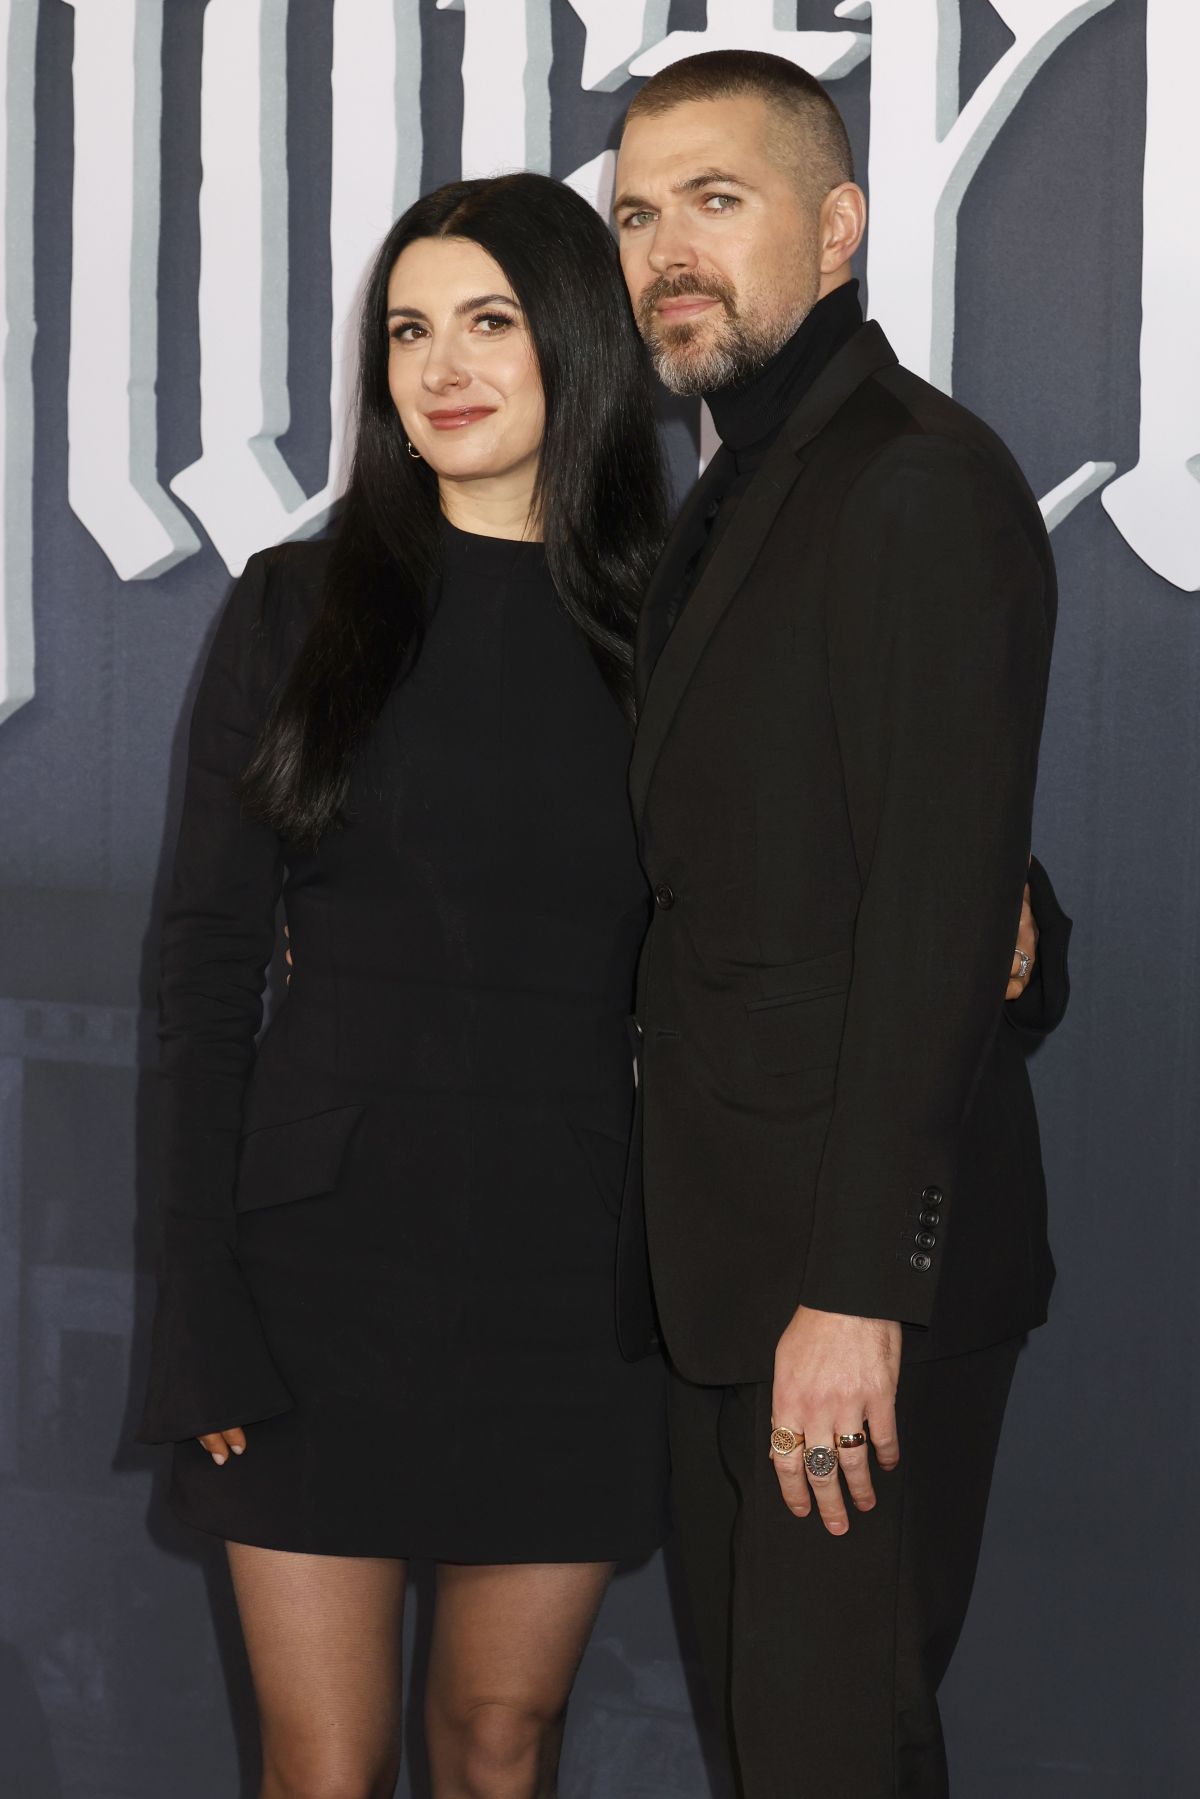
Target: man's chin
pixel 686 369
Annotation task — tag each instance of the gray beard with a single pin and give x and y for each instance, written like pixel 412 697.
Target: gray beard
pixel 739 353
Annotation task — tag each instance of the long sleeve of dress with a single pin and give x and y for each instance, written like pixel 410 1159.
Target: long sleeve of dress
pixel 210 1365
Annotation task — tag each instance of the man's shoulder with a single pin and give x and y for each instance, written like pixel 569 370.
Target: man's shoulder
pixel 917 425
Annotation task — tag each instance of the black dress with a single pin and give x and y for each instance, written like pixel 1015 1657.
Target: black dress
pixel 432 1145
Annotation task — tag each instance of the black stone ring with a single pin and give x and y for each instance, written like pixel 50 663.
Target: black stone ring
pixel 820 1461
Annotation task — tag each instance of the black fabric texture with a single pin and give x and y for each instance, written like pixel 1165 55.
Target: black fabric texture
pixel 391 1229
pixel 833 780
pixel 855 1631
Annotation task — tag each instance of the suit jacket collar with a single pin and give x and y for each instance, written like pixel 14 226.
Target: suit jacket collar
pixel 663 683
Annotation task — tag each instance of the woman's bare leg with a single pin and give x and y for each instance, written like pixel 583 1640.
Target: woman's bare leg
pixel 507 1643
pixel 324 1637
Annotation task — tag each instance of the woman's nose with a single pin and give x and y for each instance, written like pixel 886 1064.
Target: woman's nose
pixel 442 372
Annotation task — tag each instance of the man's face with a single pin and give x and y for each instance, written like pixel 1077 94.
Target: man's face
pixel 720 247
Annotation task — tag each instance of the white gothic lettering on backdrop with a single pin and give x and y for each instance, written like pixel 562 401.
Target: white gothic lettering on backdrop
pixel 924 151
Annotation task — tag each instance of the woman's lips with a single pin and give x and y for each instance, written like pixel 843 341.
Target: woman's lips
pixel 460 416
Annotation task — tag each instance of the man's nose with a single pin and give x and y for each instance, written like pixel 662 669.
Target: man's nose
pixel 671 250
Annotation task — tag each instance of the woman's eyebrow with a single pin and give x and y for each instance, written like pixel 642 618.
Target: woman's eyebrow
pixel 464 306
pixel 487 300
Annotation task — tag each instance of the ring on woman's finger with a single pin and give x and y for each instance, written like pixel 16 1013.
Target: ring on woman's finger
pixel 821 1461
pixel 1025 961
pixel 786 1442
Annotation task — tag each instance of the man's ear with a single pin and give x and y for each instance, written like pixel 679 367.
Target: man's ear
pixel 842 229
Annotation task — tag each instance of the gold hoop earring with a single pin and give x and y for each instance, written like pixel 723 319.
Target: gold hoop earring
pixel 415 454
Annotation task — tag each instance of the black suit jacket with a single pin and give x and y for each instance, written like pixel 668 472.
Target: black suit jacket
pixel 833 781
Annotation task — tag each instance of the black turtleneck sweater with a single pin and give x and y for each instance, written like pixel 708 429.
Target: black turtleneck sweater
pixel 750 416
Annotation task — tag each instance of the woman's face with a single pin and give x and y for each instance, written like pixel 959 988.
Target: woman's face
pixel 461 367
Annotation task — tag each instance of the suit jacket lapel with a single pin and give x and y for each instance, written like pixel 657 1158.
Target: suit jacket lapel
pixel 653 625
pixel 662 684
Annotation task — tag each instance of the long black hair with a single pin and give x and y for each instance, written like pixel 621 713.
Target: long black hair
pixel 599 497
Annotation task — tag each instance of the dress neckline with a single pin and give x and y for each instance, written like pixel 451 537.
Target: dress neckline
pixel 472 552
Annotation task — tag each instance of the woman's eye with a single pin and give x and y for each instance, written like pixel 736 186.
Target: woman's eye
pixel 496 319
pixel 403 334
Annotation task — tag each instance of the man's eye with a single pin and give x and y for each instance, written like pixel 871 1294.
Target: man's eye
pixel 720 202
pixel 635 220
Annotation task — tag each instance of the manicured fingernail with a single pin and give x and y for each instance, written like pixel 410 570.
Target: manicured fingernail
pixel 219 1459
pixel 237 1448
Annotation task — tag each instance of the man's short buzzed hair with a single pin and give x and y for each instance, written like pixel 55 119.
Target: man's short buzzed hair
pixel 812 137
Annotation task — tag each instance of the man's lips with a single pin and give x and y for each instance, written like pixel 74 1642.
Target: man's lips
pixel 455 419
pixel 685 308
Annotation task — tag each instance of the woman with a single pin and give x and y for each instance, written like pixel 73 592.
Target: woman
pixel 386 1319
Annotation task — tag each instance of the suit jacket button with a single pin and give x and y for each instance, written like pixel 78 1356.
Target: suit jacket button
pixel 931 1217
pixel 926 1239
pixel 664 896
pixel 932 1196
pixel 921 1262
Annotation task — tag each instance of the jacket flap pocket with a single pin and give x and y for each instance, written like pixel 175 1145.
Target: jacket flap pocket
pixel 799 1033
pixel 296 1160
pixel 815 974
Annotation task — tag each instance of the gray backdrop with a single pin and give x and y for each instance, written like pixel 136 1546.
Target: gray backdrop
pixel 120 1671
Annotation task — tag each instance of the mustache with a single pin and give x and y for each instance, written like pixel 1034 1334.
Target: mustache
pixel 683 287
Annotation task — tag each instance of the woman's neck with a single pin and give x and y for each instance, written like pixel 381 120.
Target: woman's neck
pixel 492 508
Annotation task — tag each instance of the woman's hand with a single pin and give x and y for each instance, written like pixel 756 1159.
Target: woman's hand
pixel 1025 954
pixel 219 1443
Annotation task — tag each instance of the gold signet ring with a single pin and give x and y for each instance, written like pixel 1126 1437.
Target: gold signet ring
pixel 784 1441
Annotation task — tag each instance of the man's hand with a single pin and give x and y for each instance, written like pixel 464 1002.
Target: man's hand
pixel 1027 942
pixel 221 1443
pixel 834 1376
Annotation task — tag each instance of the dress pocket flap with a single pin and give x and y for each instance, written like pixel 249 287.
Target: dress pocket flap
pixel 296 1160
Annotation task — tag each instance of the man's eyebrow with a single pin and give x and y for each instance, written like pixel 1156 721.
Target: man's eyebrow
pixel 689 185
pixel 709 178
pixel 460 311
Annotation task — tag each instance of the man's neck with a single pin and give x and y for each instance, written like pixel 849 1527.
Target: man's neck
pixel 748 415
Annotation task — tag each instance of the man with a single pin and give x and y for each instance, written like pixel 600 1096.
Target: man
pixel 842 668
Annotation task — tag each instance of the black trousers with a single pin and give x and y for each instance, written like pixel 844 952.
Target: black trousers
pixel 825 1654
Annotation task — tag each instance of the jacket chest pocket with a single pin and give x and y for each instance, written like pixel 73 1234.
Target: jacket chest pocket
pixel 297 1160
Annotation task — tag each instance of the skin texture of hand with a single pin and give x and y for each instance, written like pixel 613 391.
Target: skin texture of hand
pixel 220 1444
pixel 832 1372
pixel 1027 941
